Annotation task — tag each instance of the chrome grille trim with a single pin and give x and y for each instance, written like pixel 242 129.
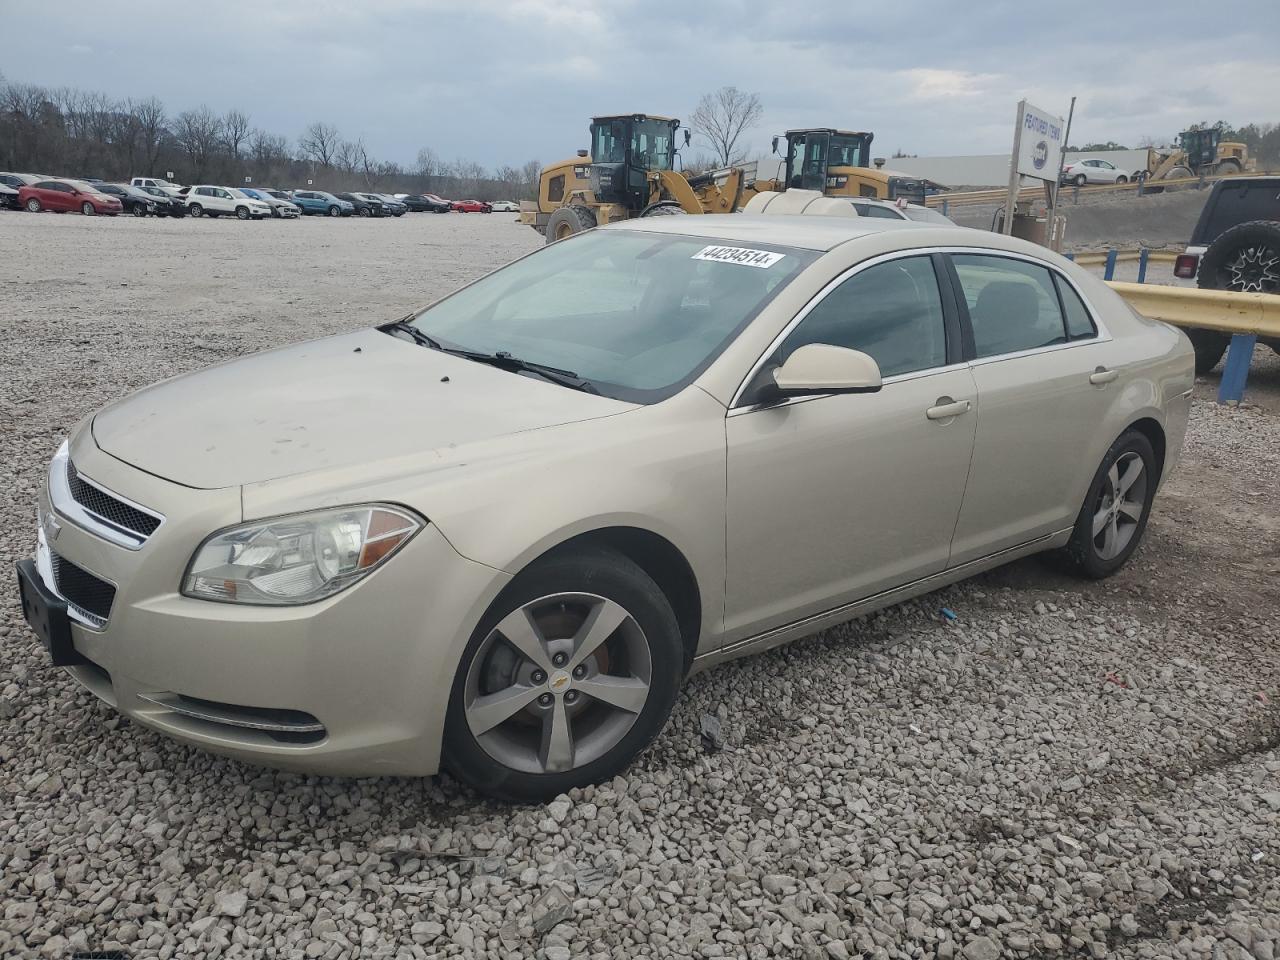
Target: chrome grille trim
pixel 62 475
pixel 231 715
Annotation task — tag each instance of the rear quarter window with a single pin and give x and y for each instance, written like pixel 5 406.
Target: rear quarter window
pixel 1235 202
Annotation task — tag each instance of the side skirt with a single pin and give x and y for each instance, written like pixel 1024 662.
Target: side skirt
pixel 857 608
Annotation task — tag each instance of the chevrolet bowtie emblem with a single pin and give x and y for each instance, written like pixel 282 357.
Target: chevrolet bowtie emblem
pixel 559 681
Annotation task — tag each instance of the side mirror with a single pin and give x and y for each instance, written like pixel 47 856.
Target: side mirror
pixel 775 144
pixel 822 368
pixel 688 137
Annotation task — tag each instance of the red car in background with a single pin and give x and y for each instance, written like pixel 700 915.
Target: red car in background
pixel 471 206
pixel 63 195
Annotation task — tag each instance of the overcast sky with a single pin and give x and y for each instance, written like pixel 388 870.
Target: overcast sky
pixel 504 81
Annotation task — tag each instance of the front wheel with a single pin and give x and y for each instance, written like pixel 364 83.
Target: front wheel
pixel 334 211
pixel 33 205
pixel 1115 511
pixel 365 212
pixel 242 213
pixel 569 676
pixel 139 210
pixel 1122 179
pixel 87 209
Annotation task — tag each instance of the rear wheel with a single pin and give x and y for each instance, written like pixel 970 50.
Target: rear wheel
pixel 196 210
pixel 87 209
pixel 571 673
pixel 1080 180
pixel 33 205
pixel 1115 511
pixel 1245 258
pixel 567 221
pixel 1209 346
pixel 1229 168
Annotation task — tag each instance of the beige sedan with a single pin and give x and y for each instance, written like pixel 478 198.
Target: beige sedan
pixel 497 535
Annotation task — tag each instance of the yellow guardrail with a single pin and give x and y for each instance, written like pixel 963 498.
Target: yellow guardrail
pixel 1096 258
pixel 977 197
pixel 1221 310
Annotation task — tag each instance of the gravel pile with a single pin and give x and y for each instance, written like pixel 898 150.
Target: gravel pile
pixel 1064 769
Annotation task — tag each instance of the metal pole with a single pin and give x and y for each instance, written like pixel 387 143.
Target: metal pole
pixel 1015 178
pixel 1143 257
pixel 1109 271
pixel 1057 179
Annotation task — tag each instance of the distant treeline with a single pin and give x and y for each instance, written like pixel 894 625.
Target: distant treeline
pixel 75 133
pixel 1262 139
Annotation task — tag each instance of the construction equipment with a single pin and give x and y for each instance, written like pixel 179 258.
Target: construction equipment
pixel 1199 153
pixel 837 163
pixel 629 172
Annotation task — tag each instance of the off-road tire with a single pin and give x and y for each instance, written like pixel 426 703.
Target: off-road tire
pixel 1081 556
pixel 567 221
pixel 1209 345
pixel 1262 236
pixel 664 208
pixel 597 571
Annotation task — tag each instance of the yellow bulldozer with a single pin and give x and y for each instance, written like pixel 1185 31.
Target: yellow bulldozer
pixel 1198 153
pixel 629 171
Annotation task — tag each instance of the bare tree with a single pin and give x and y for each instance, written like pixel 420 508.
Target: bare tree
pixel 319 143
pixel 722 117
pixel 149 125
pixel 267 155
pixel 351 156
pixel 427 164
pixel 235 132
pixel 199 133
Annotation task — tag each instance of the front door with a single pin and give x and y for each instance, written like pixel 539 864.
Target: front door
pixel 836 498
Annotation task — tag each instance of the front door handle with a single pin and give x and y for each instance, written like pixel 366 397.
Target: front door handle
pixel 945 408
pixel 1103 376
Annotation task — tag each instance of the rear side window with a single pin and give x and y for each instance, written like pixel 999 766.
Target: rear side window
pixel 1012 304
pixel 1079 322
pixel 1235 202
pixel 891 311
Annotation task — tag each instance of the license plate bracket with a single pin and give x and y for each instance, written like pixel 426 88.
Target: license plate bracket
pixel 46 614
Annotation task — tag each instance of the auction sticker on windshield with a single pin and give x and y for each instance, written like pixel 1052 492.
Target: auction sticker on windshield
pixel 741 255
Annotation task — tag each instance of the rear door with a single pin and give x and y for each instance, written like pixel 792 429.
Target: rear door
pixel 1037 351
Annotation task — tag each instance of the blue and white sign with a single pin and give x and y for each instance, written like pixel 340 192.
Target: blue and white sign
pixel 1039 142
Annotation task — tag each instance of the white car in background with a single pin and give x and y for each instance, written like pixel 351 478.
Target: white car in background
pixel 172 189
pixel 891 210
pixel 208 200
pixel 1094 170
pixel 504 206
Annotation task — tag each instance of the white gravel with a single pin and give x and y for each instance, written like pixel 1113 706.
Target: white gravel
pixel 1067 769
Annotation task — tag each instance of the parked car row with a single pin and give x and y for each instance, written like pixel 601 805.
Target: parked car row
pixel 152 196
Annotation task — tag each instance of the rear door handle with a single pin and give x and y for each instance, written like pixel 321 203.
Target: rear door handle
pixel 1103 376
pixel 945 408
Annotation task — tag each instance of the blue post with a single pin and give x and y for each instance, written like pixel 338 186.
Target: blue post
pixel 1110 272
pixel 945 203
pixel 1143 256
pixel 1069 256
pixel 1236 370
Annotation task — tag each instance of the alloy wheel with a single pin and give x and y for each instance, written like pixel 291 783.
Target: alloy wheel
pixel 558 683
pixel 1121 503
pixel 1254 269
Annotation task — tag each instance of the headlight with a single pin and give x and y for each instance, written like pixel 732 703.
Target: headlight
pixel 298 559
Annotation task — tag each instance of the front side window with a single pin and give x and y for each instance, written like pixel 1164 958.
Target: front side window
pixel 892 311
pixel 609 142
pixel 637 314
pixel 1013 304
pixel 651 145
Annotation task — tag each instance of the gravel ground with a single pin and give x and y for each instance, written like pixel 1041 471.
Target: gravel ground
pixel 1066 769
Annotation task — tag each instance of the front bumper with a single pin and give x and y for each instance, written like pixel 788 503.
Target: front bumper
pixel 357 684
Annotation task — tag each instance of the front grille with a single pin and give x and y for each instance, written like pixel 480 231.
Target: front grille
pixel 80 588
pixel 109 508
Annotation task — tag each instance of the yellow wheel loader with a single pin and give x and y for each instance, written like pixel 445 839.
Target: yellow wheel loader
pixel 1199 153
pixel 629 172
pixel 837 163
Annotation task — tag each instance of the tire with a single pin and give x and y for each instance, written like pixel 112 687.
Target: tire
pixel 334 211
pixel 195 210
pixel 242 213
pixel 1228 168
pixel 1121 532
pixel 567 221
pixel 33 205
pixel 88 209
pixel 1179 173
pixel 1209 346
pixel 664 208
pixel 364 212
pixel 1245 259
pixel 139 210
pixel 511 761
pixel 1122 179
pixel 1080 180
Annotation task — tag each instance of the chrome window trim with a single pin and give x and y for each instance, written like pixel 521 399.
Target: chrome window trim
pixel 66 506
pixel 1103 335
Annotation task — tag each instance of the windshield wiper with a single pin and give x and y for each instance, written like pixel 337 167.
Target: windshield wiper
pixel 505 361
pixel 421 339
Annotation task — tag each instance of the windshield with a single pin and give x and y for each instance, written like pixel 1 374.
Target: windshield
pixel 637 314
pixel 649 140
pixel 239 193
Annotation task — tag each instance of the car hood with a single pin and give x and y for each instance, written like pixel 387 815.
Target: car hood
pixel 327 404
